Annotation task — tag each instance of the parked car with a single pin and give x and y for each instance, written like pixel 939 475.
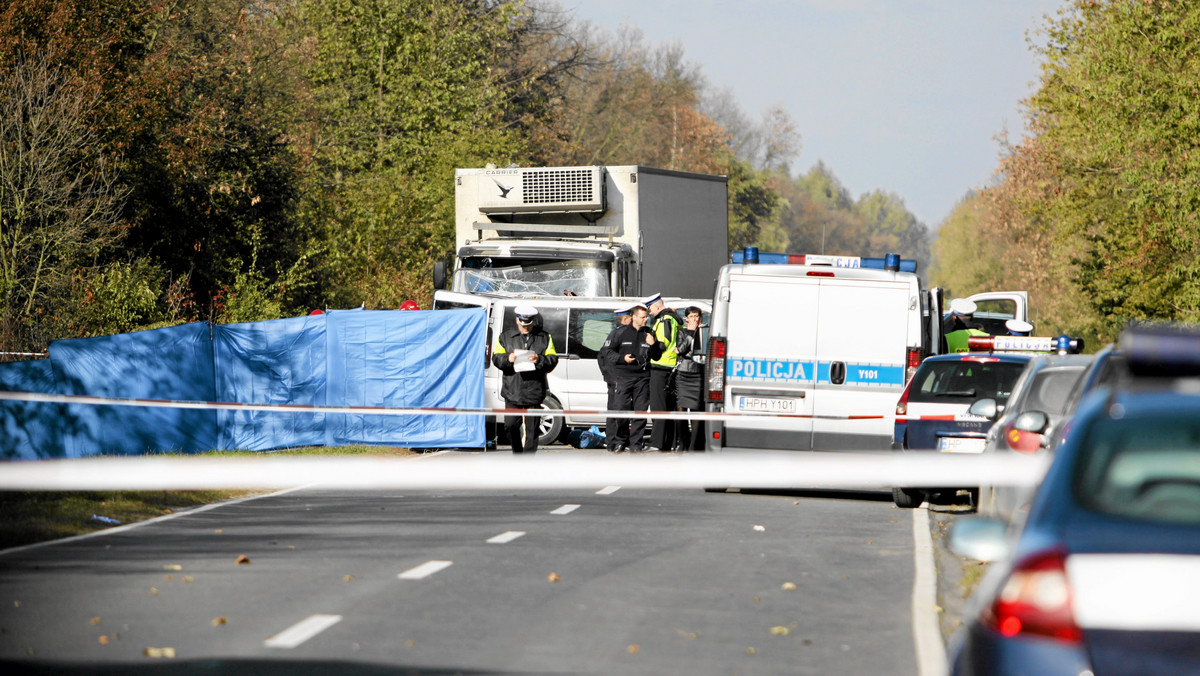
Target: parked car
pixel 1103 576
pixel 932 413
pixel 1039 403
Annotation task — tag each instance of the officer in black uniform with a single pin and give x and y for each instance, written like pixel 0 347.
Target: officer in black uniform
pixel 634 347
pixel 524 354
pixel 607 361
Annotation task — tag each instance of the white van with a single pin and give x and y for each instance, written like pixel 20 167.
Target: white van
pixel 578 326
pixel 823 338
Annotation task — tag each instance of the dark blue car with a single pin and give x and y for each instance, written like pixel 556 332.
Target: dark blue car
pixel 1104 575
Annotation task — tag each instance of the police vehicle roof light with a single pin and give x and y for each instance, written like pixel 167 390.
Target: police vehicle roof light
pixel 1162 350
pixel 873 263
pixel 1062 344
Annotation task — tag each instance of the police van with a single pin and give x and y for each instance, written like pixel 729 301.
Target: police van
pixel 578 326
pixel 815 350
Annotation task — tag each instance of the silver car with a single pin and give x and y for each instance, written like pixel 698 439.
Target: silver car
pixel 1039 403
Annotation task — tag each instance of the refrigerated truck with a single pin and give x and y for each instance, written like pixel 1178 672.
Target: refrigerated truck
pixel 816 350
pixel 593 231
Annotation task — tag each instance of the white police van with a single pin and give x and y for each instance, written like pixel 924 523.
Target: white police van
pixel 578 326
pixel 816 350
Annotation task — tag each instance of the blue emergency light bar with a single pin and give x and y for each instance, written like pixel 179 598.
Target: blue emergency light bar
pixel 891 261
pixel 1161 350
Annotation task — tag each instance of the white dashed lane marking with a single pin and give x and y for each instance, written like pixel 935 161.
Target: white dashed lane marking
pixel 302 631
pixel 424 570
pixel 608 490
pixel 507 536
pixel 565 509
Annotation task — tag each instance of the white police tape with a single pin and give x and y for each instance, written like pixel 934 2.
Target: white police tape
pixel 502 471
pixel 387 410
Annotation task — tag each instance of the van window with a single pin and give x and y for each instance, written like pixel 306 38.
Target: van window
pixel 588 330
pixel 991 314
pixel 554 322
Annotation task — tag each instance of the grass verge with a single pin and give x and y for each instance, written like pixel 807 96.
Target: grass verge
pixel 28 517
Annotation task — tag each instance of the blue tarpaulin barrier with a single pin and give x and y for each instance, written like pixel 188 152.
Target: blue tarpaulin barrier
pixel 341 358
pixel 30 430
pixel 274 362
pixel 170 363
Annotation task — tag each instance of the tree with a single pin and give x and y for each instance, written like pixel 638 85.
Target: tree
pixel 59 198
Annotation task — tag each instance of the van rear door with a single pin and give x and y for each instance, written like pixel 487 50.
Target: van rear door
pixel 771 363
pixel 862 350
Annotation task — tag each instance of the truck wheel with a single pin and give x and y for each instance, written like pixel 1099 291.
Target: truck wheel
pixel 550 428
pixel 908 498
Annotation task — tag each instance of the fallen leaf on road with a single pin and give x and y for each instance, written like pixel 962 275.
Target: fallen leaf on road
pixel 153 591
pixel 188 578
pixel 242 559
pixel 168 578
pixel 218 531
pixel 760 528
pixel 553 577
pixel 757 599
pixel 159 652
pixel 870 542
pixel 218 621
pixel 689 635
pixel 780 631
pixel 348 578
pixel 103 639
pixel 291 546
pixel 633 649
pixel 95 621
pixel 751 651
pixel 789 586
pixel 172 566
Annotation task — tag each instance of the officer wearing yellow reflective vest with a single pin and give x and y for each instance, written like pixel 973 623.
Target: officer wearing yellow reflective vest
pixel 962 311
pixel 665 324
pixel 524 354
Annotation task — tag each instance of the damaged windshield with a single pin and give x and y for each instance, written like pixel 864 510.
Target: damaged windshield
pixel 531 276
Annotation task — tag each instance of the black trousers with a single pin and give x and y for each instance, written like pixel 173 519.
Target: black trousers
pixel 632 394
pixel 614 428
pixel 662 398
pixel 522 430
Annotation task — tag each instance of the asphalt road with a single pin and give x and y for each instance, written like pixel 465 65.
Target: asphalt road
pixel 611 580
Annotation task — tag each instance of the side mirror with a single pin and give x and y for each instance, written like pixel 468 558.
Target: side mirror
pixel 1032 421
pixel 979 538
pixel 439 274
pixel 985 408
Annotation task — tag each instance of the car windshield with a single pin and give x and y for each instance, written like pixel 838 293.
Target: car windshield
pixel 527 276
pixel 1048 390
pixel 965 381
pixel 1145 467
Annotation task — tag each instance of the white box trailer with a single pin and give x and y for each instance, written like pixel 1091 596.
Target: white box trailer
pixel 587 231
pixel 816 351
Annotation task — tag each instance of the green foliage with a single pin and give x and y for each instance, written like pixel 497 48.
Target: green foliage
pixel 120 297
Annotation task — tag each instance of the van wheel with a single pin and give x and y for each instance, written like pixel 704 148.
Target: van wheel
pixel 550 428
pixel 908 498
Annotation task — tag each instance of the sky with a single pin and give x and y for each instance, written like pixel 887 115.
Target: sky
pixel 905 96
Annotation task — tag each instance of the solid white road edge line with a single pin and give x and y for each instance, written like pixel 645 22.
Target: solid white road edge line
pixel 927 635
pixel 302 631
pixel 164 517
pixel 424 570
pixel 565 509
pixel 608 490
pixel 505 537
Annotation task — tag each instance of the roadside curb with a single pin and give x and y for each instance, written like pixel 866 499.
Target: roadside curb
pixel 927 636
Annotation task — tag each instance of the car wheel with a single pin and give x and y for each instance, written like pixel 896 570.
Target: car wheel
pixel 908 498
pixel 550 428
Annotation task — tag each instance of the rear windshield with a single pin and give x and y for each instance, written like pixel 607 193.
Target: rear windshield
pixel 1144 467
pixel 1049 389
pixel 962 382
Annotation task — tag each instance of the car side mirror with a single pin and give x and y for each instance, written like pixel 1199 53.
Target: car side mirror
pixel 985 408
pixel 1032 421
pixel 979 538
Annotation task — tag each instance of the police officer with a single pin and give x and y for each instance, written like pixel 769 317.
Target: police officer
pixel 962 311
pixel 606 359
pixel 1016 327
pixel 634 347
pixel 524 354
pixel 665 324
